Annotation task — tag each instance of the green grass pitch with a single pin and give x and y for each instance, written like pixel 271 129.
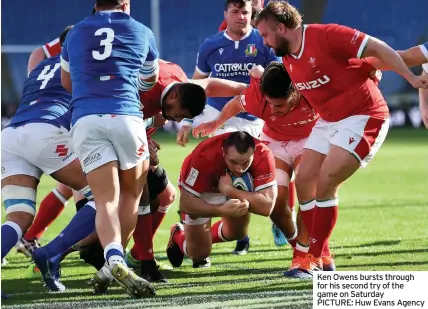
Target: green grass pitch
pixel 381 226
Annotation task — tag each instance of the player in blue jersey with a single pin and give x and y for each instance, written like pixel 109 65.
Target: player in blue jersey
pixel 37 141
pixel 102 59
pixel 230 55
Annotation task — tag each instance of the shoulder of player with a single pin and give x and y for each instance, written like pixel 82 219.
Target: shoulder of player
pixel 213 41
pixel 48 61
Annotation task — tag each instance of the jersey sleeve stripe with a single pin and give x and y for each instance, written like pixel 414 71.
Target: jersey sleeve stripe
pixel 189 189
pixel 201 72
pixel 149 69
pixel 144 86
pixel 425 67
pixel 65 65
pixel 424 50
pixel 264 186
pixel 46 51
pixel 363 46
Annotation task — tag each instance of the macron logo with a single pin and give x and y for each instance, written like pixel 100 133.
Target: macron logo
pixel 221 50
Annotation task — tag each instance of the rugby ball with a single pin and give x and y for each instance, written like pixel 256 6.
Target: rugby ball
pixel 244 183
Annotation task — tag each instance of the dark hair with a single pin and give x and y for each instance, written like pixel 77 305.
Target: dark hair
pixel 63 34
pixel 242 141
pixel 238 3
pixel 192 98
pixel 108 2
pixel 282 12
pixel 276 82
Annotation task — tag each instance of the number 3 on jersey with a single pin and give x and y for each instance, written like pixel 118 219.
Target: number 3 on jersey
pixel 106 43
pixel 47 74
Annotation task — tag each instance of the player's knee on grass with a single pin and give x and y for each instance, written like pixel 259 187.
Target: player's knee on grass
pixel 20 204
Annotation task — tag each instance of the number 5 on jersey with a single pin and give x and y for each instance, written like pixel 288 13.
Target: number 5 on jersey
pixel 106 43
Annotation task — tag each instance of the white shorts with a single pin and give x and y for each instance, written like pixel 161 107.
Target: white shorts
pixel 361 135
pixel 253 127
pixel 34 149
pixel 99 139
pixel 285 151
pixel 210 198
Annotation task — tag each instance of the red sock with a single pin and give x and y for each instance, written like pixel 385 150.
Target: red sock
pixel 143 241
pixel 158 217
pixel 179 240
pixel 326 249
pixel 291 201
pixel 216 233
pixel 50 208
pixel 307 212
pixel 325 216
pixel 292 242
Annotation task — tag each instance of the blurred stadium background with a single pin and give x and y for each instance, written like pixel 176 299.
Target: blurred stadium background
pixel 181 25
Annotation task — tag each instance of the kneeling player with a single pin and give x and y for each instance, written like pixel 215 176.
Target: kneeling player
pixel 206 186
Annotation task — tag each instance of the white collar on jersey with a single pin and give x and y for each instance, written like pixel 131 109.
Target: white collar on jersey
pixel 110 11
pixel 165 91
pixel 243 38
pixel 303 44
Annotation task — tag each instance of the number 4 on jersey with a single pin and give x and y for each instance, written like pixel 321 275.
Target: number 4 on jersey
pixel 47 74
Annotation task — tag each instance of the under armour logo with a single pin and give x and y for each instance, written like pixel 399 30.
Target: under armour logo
pixel 61 150
pixel 351 140
pixel 273 118
pixel 313 240
pixel 221 50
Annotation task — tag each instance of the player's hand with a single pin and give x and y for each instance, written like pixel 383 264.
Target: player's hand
pixel 235 208
pixel 153 150
pixel 183 135
pixel 420 81
pixel 205 129
pixel 376 76
pixel 159 121
pixel 257 71
pixel 225 184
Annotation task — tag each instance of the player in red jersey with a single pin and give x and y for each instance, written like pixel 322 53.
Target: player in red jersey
pixel 279 238
pixel 354 116
pixel 289 120
pixel 206 185
pixel 173 97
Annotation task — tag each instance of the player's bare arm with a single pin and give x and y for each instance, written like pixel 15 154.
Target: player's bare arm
pixel 195 206
pixel 231 109
pixel 388 56
pixel 260 202
pixel 198 75
pixel 411 57
pixel 217 87
pixel 37 56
